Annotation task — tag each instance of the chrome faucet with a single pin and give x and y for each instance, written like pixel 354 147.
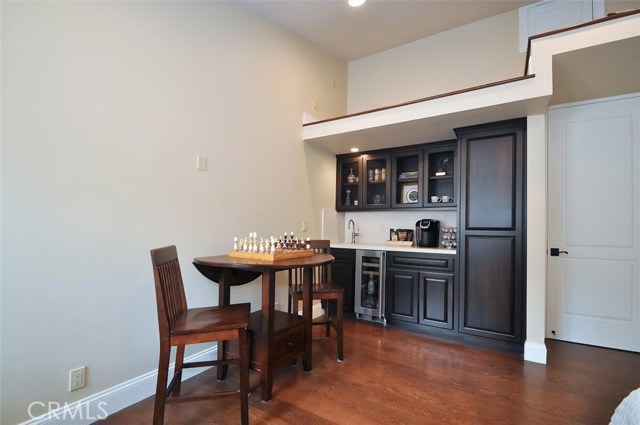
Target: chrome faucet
pixel 353 232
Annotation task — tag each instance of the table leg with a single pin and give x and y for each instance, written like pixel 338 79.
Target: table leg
pixel 307 313
pixel 268 313
pixel 224 298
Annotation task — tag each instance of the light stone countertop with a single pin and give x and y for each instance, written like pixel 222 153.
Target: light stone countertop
pixel 385 247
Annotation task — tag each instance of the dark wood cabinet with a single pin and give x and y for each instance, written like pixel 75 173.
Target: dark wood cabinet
pixel 441 177
pixel 376 172
pixel 398 178
pixel 436 299
pixel 401 298
pixel 343 271
pixel 420 289
pixel 491 230
pixel 407 178
pixel 348 187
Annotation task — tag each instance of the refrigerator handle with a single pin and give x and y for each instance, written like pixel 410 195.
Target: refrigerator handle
pixel 381 281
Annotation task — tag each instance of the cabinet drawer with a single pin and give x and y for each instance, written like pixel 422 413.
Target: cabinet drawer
pixel 287 346
pixel 437 262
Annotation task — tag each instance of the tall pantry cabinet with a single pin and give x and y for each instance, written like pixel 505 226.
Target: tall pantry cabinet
pixel 491 230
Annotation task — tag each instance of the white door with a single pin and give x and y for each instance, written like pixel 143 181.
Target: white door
pixel 593 294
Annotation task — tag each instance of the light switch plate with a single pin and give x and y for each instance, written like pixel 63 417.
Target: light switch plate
pixel 201 162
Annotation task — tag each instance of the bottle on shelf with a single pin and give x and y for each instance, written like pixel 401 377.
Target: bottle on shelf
pixel 371 285
pixel 351 178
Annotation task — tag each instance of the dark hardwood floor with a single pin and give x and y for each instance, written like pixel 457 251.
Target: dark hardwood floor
pixel 394 377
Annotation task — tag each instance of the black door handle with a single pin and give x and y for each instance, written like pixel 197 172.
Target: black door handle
pixel 556 251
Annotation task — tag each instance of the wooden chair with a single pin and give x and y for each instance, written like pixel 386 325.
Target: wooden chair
pixel 180 326
pixel 323 289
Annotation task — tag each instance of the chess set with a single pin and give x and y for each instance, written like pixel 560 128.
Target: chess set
pixel 270 249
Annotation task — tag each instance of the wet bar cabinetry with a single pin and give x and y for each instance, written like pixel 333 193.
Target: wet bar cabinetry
pixel 420 290
pixel 348 192
pixel 343 270
pixel 398 178
pixel 491 224
pixel 478 295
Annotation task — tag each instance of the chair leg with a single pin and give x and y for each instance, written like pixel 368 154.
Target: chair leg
pixel 295 304
pixel 339 303
pixel 243 350
pixel 178 370
pixel 161 385
pixel 221 372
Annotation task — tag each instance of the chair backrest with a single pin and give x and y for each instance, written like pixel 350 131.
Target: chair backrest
pixel 320 273
pixel 170 297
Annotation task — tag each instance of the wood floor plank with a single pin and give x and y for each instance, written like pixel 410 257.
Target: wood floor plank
pixel 396 377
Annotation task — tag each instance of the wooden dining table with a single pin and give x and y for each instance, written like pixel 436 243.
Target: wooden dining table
pixel 276 337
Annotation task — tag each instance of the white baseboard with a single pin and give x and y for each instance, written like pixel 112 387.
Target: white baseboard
pixel 100 405
pixel 534 352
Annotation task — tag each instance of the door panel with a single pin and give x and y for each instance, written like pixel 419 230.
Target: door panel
pixel 491 183
pixel 489 290
pixel 436 300
pixel 597 170
pixel 402 295
pixel 599 288
pixel 593 292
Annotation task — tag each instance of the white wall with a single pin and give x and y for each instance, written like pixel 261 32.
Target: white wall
pixel 536 230
pixel 479 53
pixel 104 108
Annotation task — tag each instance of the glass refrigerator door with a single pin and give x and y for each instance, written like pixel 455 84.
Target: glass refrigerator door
pixel 369 283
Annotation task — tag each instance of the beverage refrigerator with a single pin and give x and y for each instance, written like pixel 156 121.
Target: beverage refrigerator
pixel 369 290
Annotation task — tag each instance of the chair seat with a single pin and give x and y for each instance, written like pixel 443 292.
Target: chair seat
pixel 318 288
pixel 207 319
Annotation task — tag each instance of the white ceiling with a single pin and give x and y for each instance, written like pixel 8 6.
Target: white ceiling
pixel 352 33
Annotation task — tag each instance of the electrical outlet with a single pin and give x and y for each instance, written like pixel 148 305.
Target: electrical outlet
pixel 77 378
pixel 304 226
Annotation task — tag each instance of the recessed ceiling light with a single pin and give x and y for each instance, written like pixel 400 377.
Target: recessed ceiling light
pixel 354 149
pixel 356 3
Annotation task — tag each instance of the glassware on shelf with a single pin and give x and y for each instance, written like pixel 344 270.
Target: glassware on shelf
pixel 347 199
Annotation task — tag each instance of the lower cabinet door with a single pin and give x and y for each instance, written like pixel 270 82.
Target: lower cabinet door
pixel 402 295
pixel 343 271
pixel 436 300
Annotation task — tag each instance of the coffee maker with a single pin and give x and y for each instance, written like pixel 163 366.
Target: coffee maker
pixel 427 233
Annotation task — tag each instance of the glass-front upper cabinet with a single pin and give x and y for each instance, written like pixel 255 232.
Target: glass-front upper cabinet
pixel 376 181
pixel 348 194
pixel 407 179
pixel 440 176
pixel 418 176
